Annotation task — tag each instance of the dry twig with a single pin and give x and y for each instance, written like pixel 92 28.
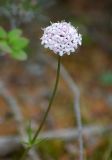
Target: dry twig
pixel 9 143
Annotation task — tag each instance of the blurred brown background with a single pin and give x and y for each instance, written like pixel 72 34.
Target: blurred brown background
pixel 30 83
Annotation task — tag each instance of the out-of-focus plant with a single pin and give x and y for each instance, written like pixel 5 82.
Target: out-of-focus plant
pixel 13 43
pixel 24 11
pixel 106 78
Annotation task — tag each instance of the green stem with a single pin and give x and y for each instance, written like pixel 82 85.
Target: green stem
pixel 48 108
pixel 24 153
pixel 50 102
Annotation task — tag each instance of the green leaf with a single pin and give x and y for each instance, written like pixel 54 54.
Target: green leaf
pixel 4 47
pixel 3 33
pixel 29 132
pixel 14 33
pixel 19 55
pixel 19 43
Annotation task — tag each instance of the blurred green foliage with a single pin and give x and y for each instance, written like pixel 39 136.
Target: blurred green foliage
pixel 52 149
pixel 106 78
pixel 13 43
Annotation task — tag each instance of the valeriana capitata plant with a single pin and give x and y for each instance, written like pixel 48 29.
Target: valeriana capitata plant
pixel 61 38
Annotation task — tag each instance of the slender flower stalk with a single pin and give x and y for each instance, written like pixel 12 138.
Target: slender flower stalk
pixel 47 111
pixel 50 102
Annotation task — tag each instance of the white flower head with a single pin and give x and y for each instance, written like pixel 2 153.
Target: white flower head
pixel 61 37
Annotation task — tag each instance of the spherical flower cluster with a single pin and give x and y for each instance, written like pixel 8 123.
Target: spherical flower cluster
pixel 61 37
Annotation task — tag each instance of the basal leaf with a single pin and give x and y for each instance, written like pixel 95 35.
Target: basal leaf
pixel 29 132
